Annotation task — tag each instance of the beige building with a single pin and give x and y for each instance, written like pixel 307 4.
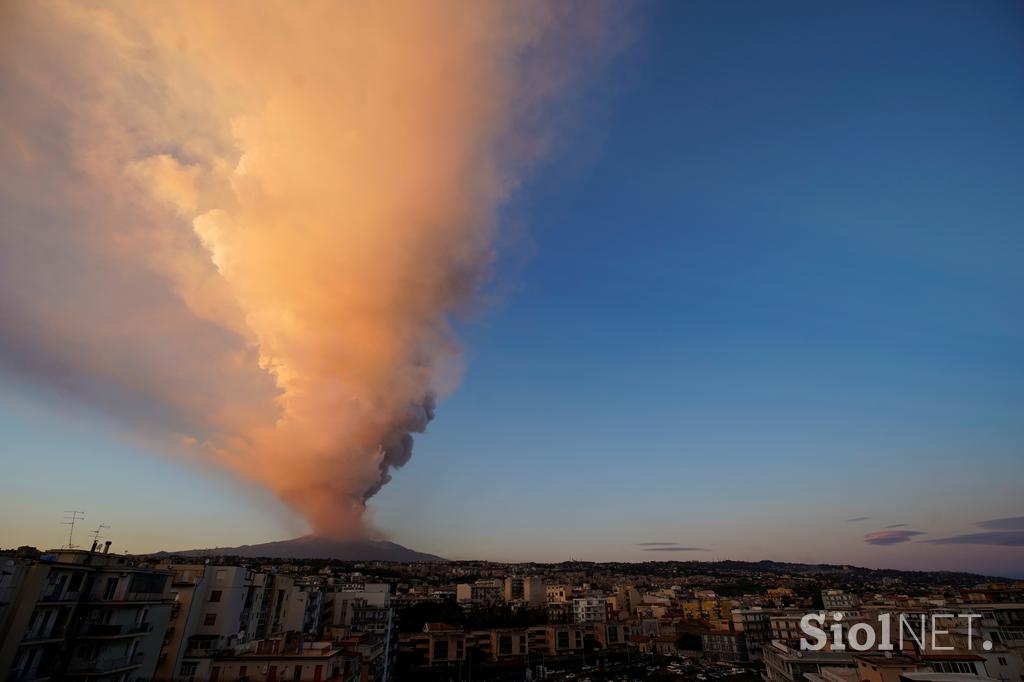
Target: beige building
pixel 557 594
pixel 441 644
pixel 215 608
pixel 273 661
pixel 530 590
pixel 882 668
pixel 488 591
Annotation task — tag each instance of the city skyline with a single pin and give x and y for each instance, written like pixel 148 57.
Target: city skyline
pixel 758 297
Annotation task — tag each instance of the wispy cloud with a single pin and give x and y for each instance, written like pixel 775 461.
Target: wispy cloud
pixel 676 548
pixel 657 544
pixel 890 537
pixel 1004 532
pixel 999 538
pixel 1010 523
pixel 855 519
pixel 897 525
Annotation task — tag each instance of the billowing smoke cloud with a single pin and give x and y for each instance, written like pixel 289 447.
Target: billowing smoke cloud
pixel 243 227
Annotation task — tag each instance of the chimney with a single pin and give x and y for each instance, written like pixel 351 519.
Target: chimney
pixel 106 546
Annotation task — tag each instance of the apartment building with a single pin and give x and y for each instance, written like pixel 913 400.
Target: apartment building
pixel 627 599
pixel 557 640
pixel 725 645
pixel 364 608
pixel 81 613
pixel 215 608
pixel 612 635
pixel 441 644
pixel 963 633
pixel 838 600
pixel 187 586
pixel 530 590
pixel 785 663
pixel 589 610
pixel 280 660
pixel 708 608
pixel 879 667
pixel 755 623
pixel 486 591
pixel 557 594
pixel 785 626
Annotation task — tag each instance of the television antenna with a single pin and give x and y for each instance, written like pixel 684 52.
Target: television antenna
pixel 70 517
pixel 97 534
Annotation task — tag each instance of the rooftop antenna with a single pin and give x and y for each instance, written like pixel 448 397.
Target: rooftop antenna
pixel 70 516
pixel 97 534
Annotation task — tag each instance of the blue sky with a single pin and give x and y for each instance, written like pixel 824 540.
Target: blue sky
pixel 769 280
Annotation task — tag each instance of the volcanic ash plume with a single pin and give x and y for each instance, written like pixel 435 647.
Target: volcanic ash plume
pixel 242 227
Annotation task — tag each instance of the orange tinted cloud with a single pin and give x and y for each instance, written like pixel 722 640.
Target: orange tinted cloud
pixel 243 227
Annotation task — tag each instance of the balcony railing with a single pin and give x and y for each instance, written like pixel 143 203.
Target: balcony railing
pixel 26 675
pixel 100 630
pixel 146 596
pixel 53 633
pixel 105 665
pixel 7 593
pixel 59 594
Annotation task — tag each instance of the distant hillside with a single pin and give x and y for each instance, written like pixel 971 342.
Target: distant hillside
pixel 311 547
pixel 842 573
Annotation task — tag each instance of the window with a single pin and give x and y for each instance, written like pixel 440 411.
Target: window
pixel 210 619
pixel 76 582
pixel 147 583
pixel 215 595
pixel 954 667
pixel 243 670
pixel 220 575
pixel 441 650
pixel 188 671
pixel 111 588
pixel 1002 661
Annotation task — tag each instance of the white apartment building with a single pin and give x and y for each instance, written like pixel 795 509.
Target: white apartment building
pixel 589 609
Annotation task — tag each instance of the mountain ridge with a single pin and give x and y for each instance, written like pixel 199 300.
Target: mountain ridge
pixel 313 547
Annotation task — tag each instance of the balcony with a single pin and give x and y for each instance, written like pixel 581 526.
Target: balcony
pixel 116 597
pixel 181 579
pixel 54 634
pixel 7 594
pixel 104 666
pixel 1012 636
pixel 97 631
pixel 58 595
pixel 27 676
